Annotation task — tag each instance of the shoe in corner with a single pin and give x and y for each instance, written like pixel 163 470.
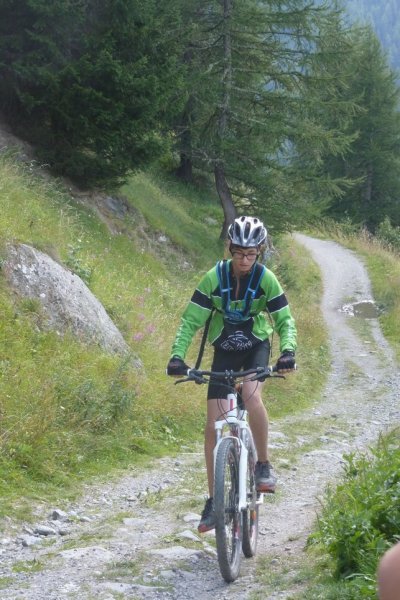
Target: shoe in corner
pixel 207 521
pixel 265 478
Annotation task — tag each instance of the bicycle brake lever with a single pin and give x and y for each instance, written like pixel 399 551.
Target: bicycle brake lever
pixel 197 380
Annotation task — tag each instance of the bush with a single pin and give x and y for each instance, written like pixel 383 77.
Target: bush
pixel 361 517
pixel 389 235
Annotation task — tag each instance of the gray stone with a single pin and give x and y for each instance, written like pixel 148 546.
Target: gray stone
pixel 174 553
pixel 188 535
pixel 59 515
pixel 65 300
pixel 30 540
pixel 191 517
pixel 94 553
pixel 45 530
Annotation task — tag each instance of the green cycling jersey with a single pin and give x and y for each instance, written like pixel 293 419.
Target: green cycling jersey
pixel 243 335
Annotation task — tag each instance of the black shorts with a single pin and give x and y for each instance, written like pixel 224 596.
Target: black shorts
pixel 258 356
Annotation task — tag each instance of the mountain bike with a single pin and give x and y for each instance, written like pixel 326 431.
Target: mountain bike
pixel 236 500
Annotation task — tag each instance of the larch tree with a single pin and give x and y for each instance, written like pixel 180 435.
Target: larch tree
pixel 248 104
pixel 369 167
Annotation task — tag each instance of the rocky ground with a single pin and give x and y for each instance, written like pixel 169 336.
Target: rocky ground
pixel 136 537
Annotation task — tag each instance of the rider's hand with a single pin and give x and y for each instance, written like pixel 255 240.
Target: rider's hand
pixel 177 367
pixel 264 377
pixel 286 361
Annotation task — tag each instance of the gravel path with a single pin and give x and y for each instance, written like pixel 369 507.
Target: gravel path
pixel 134 538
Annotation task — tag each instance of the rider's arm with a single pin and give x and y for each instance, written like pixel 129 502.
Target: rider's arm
pixel 194 316
pixel 279 309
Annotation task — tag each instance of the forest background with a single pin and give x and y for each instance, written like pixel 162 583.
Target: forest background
pixel 286 108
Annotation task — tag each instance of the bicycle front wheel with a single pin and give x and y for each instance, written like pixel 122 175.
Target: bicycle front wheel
pixel 250 515
pixel 228 525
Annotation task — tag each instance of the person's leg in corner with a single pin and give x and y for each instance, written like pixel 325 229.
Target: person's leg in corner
pixel 389 574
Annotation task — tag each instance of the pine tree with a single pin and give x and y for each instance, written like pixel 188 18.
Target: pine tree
pixel 91 83
pixel 371 162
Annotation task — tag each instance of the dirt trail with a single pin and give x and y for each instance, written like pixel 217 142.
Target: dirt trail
pixel 135 538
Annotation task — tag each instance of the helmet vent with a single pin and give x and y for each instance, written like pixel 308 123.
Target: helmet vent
pixel 248 232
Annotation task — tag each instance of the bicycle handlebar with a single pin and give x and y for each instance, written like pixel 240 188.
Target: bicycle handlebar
pixel 199 376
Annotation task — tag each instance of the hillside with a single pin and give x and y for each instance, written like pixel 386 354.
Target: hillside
pixel 78 402
pixel 140 252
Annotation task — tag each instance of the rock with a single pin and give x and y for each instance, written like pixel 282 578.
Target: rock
pixel 66 301
pixel 30 540
pixel 5 541
pixel 95 553
pixel 45 530
pixel 191 517
pixel 59 515
pixel 188 535
pixel 174 553
pixel 116 206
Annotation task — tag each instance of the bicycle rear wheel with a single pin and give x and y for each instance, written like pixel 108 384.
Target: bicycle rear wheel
pixel 228 525
pixel 250 515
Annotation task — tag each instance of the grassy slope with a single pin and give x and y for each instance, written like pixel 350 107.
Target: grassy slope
pixel 69 410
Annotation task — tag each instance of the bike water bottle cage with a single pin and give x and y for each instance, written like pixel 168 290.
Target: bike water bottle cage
pixel 237 315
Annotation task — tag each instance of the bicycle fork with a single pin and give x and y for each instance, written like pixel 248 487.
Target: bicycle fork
pixel 231 419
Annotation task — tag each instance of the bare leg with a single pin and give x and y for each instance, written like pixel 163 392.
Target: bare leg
pixel 214 409
pixel 258 417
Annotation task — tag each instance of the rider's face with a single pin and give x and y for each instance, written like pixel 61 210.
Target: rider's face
pixel 243 259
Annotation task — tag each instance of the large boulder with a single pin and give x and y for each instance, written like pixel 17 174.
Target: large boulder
pixel 67 303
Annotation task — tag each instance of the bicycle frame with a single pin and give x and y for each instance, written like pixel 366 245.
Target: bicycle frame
pixel 236 419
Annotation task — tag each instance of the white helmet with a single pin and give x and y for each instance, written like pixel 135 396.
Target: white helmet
pixel 248 232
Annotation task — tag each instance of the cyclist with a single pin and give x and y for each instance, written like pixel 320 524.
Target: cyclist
pixel 238 293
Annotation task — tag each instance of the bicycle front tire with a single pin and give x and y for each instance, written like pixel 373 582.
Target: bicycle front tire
pixel 250 515
pixel 228 517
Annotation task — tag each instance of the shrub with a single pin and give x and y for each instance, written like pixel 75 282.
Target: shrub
pixel 388 234
pixel 360 519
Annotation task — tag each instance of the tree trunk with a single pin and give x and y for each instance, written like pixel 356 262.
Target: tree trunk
pixel 184 132
pixel 367 192
pixel 221 183
pixel 225 196
pixel 185 170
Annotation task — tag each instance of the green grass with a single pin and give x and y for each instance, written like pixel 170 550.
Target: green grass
pixel 301 281
pixel 29 566
pixel 70 410
pixel 360 519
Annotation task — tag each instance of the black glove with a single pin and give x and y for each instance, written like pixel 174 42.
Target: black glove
pixel 286 361
pixel 177 367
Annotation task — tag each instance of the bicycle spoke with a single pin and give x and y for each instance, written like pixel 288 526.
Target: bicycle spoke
pixel 250 515
pixel 228 530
